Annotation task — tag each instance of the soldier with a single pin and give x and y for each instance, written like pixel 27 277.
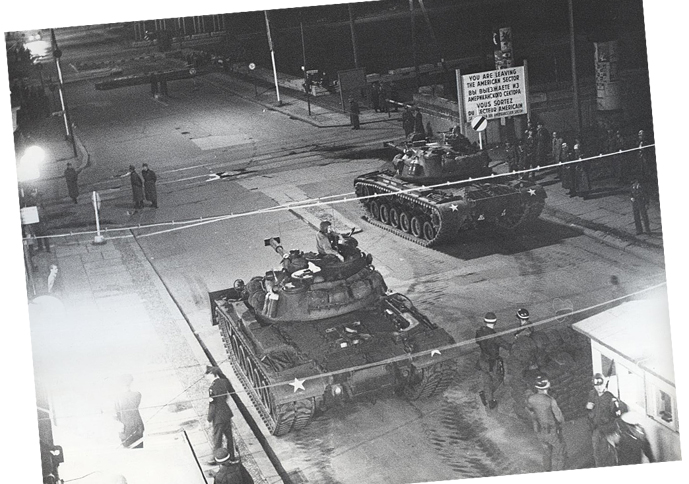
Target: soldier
pixel 639 200
pixel 523 362
pixel 325 239
pixel 556 147
pixel 547 423
pixel 529 154
pixel 219 413
pixel 231 470
pixel 630 441
pixel 543 144
pixel 511 156
pixel 603 409
pixel 150 178
pixel 407 121
pixel 489 362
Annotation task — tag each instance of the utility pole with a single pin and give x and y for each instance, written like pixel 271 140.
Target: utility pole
pixel 57 53
pixel 413 41
pixel 272 58
pixel 351 28
pixel 575 81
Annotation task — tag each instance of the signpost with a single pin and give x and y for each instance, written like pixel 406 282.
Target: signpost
pixel 479 123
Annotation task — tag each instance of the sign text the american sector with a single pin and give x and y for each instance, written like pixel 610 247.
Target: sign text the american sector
pixel 495 94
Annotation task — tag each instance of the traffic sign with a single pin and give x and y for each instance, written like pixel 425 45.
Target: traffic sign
pixel 479 123
pixel 252 66
pixel 95 198
pixel 192 71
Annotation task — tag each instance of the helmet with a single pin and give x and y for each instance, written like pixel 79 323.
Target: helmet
pixel 490 318
pixel 522 313
pixel 221 455
pixel 598 379
pixel 542 382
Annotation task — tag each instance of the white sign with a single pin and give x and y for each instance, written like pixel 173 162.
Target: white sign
pixel 95 198
pixel 479 123
pixel 252 66
pixel 495 94
pixel 29 215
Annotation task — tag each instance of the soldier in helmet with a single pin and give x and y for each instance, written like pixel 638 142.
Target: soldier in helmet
pixel 489 362
pixel 524 351
pixel 603 410
pixel 630 440
pixel 326 238
pixel 547 423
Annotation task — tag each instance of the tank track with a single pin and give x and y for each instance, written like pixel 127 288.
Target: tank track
pixel 435 379
pixel 446 222
pixel 279 419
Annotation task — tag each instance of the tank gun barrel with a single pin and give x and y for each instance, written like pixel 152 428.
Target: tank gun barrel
pixel 274 242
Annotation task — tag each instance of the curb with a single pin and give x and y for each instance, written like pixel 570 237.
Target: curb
pixel 649 252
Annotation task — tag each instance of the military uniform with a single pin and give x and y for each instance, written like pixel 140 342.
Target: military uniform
pixel 490 363
pixel 547 421
pixel 220 415
pixel 603 411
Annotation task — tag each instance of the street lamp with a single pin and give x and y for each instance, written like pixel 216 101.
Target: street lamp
pixel 29 164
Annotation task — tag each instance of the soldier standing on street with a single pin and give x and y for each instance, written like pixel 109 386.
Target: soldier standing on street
pixel 71 176
pixel 231 470
pixel 354 113
pixel 639 200
pixel 219 413
pixel 489 361
pixel 603 409
pixel 137 187
pixel 150 179
pixel 547 423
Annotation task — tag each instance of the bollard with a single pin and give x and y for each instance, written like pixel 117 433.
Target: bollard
pixel 98 239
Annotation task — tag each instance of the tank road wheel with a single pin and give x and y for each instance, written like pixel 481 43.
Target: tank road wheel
pixel 429 381
pixel 429 232
pixel 395 217
pixel 405 221
pixel 375 209
pixel 417 226
pixel 385 213
pixel 293 416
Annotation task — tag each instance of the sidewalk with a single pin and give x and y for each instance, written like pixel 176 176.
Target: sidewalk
pixel 117 317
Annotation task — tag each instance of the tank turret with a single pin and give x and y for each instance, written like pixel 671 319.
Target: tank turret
pixel 316 332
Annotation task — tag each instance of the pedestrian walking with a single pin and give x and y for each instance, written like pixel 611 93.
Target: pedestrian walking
pixel 639 198
pixel 219 413
pixel 489 362
pixel 630 441
pixel 603 409
pixel 354 113
pixel 556 147
pixel 547 421
pixel 407 121
pixel 71 177
pixel 137 187
pixel 231 470
pixel 127 413
pixel 150 179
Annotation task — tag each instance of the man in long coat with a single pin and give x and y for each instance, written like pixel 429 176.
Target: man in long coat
pixel 127 413
pixel 137 187
pixel 150 179
pixel 71 176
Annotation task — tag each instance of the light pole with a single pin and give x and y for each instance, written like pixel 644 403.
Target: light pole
pixel 57 53
pixel 272 58
pixel 307 88
pixel 575 81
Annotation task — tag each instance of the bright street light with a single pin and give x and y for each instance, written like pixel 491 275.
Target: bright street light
pixel 30 163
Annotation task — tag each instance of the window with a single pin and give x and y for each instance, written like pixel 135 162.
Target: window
pixel 664 406
pixel 661 405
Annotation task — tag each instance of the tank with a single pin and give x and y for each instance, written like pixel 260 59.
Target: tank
pixel 317 332
pixel 430 196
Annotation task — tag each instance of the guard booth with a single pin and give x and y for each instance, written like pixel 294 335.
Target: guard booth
pixel 631 344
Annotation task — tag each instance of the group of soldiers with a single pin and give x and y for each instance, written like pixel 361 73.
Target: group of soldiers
pixel 616 434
